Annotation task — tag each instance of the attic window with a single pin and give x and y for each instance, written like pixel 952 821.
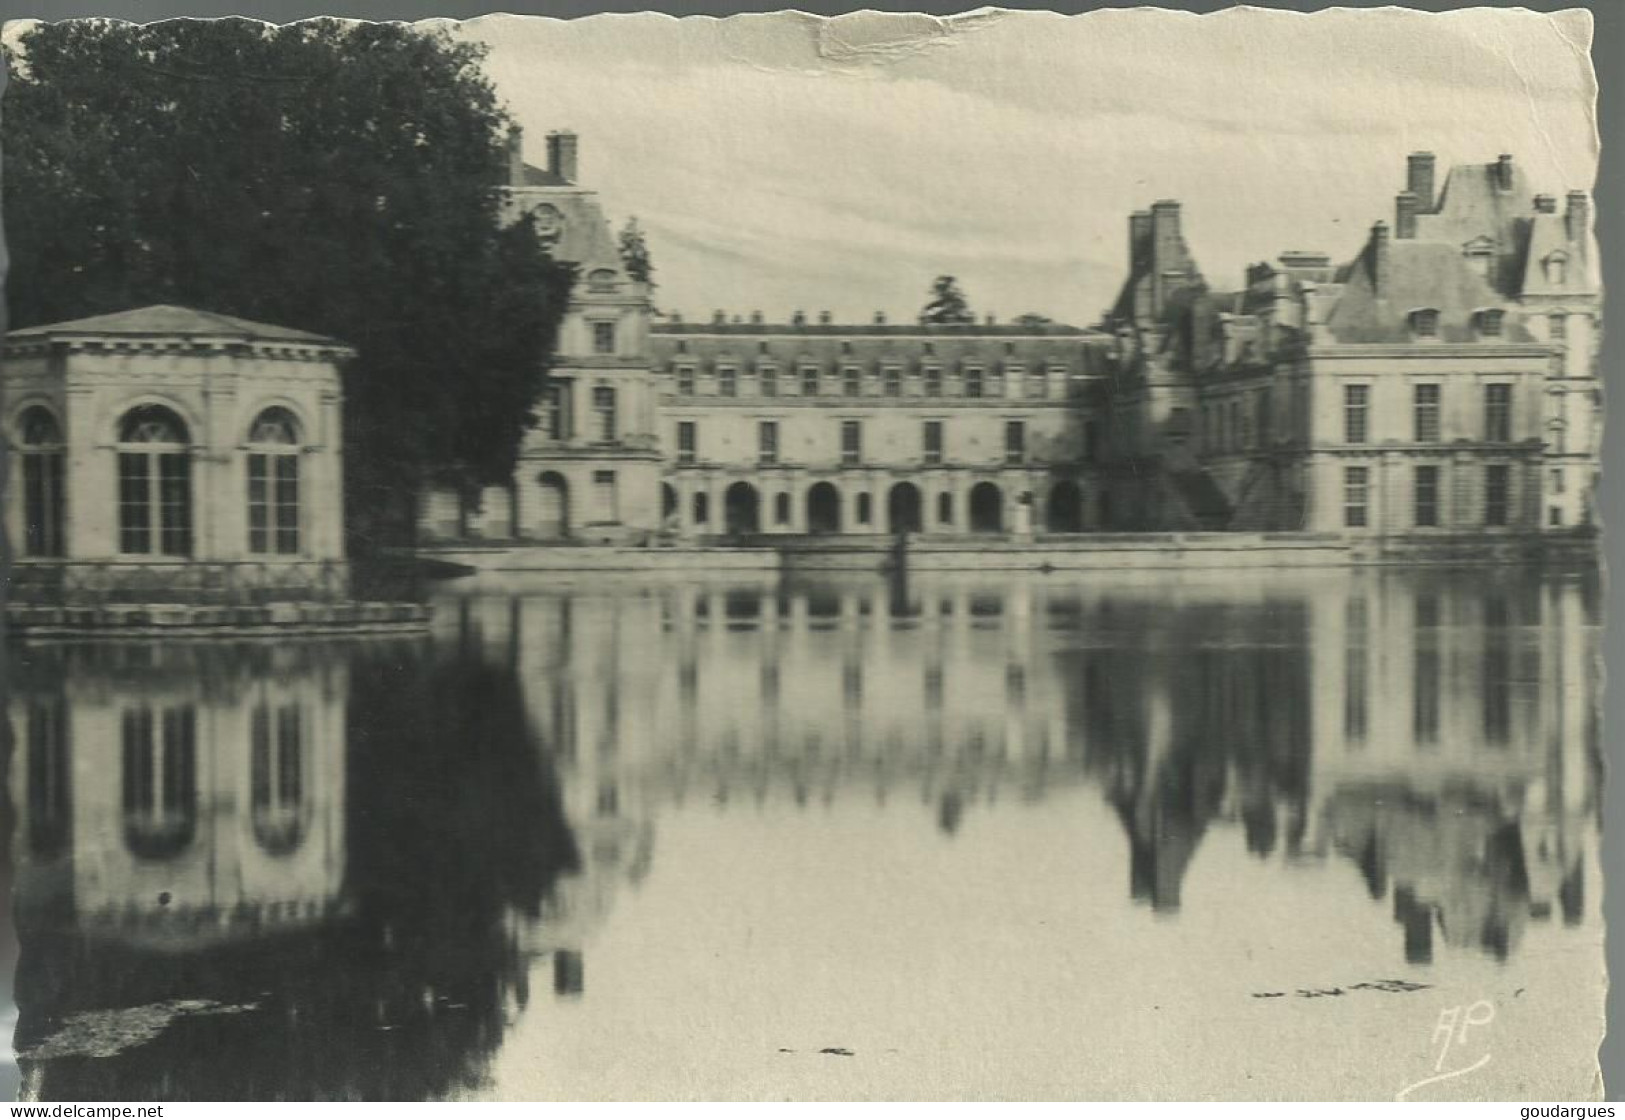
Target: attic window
pixel 1479 252
pixel 1557 268
pixel 601 280
pixel 1489 322
pixel 1425 322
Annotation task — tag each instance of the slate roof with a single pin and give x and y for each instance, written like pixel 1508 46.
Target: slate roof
pixel 832 347
pixel 167 320
pixel 1421 274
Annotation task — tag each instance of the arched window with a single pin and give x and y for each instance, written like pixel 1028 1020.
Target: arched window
pixel 154 483
pixel 1425 322
pixel 273 483
pixel 277 777
pixel 41 439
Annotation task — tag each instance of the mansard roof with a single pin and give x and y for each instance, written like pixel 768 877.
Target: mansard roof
pixel 1421 274
pixel 167 321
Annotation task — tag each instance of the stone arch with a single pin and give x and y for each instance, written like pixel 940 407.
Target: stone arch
pixel 741 510
pixel 552 506
pixel 823 508
pixel 903 509
pixel 1063 512
pixel 986 508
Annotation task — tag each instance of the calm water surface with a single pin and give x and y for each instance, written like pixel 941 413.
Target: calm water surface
pixel 960 837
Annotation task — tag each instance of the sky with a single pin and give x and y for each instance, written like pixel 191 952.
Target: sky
pixel 791 162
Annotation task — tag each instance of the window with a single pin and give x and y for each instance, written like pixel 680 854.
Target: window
pixel 685 441
pixel 809 381
pixel 892 376
pixel 1489 322
pixel 702 508
pixel 1426 498
pixel 1557 269
pixel 851 442
pixel 552 418
pixel 781 509
pixel 769 376
pixel 1356 402
pixel 276 776
pixel 1557 327
pixel 865 509
pixel 1497 486
pixel 933 443
pixel 603 407
pixel 1426 413
pixel 50 779
pixel 1015 442
pixel 933 381
pixel 273 484
pixel 851 382
pixel 727 381
pixel 1554 516
pixel 159 779
pixel 603 338
pixel 1498 413
pixel 945 508
pixel 685 381
pixel 767 442
pixel 1557 480
pixel 973 381
pixel 1356 496
pixel 155 483
pixel 1037 383
pixel 606 509
pixel 1425 323
pixel 1356 678
pixel 42 454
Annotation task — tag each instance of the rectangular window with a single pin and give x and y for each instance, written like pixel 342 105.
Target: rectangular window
pixel 1356 496
pixel 770 380
pixel 851 382
pixel 1356 671
pixel 603 406
pixel 685 381
pixel 43 502
pixel 727 381
pixel 1497 487
pixel 1557 328
pixel 809 381
pixel 135 503
pixel 933 381
pixel 933 442
pixel 174 505
pixel 605 500
pixel 1356 401
pixel 767 441
pixel 685 441
pixel 1015 442
pixel 552 418
pixel 1427 497
pixel 1557 480
pixel 273 504
pixel 893 381
pixel 1498 413
pixel 1426 411
pixel 851 442
pixel 603 338
pixel 1037 383
pixel 973 382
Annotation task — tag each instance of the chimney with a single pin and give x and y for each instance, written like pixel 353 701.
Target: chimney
pixel 516 156
pixel 825 318
pixel 755 318
pixel 1166 257
pixel 880 318
pixel 799 319
pixel 1419 179
pixel 1503 172
pixel 719 317
pixel 1379 259
pixel 1139 239
pixel 1577 219
pixel 1406 205
pixel 561 155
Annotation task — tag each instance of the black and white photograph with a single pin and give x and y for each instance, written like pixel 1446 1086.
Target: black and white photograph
pixel 1004 557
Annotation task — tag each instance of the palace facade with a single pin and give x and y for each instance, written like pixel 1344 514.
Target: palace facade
pixel 1444 380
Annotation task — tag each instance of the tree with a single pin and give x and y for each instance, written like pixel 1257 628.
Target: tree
pixel 635 252
pixel 948 304
pixel 343 179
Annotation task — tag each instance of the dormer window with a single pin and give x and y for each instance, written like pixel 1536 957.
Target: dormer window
pixel 1557 269
pixel 1489 322
pixel 1479 252
pixel 601 280
pixel 1425 322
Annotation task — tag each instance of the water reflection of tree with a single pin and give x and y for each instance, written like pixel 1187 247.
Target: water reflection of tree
pixel 455 829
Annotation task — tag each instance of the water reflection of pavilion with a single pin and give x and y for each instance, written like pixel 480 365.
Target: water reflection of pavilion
pixel 1438 732
pixel 342 846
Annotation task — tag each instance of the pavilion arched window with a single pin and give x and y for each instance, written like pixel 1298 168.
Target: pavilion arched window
pixel 42 458
pixel 154 483
pixel 273 484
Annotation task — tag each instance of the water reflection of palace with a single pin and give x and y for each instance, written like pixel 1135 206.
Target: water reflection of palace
pixel 311 866
pixel 1438 733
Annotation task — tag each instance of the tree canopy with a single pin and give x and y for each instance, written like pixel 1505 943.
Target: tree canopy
pixel 635 252
pixel 339 178
pixel 948 303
